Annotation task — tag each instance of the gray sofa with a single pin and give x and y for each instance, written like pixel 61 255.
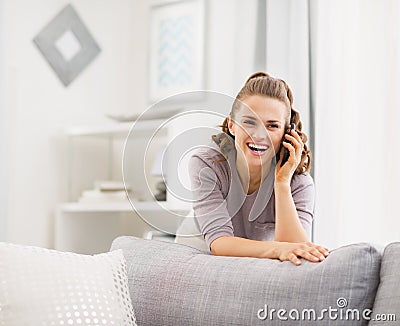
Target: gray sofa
pixel 174 284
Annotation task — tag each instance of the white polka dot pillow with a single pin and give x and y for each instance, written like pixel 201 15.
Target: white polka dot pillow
pixel 41 287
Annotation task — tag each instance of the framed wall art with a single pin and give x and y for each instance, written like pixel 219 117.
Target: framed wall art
pixel 176 49
pixel 67 45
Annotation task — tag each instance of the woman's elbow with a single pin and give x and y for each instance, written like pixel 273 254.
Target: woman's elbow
pixel 217 245
pixel 213 248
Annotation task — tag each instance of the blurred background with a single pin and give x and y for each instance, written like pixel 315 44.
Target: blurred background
pixel 67 66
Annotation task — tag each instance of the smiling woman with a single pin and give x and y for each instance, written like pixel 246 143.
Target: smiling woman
pixel 258 136
pixel 249 200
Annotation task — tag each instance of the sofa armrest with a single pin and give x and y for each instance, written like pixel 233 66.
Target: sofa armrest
pixel 387 301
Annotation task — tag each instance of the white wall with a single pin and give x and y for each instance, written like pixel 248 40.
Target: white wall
pixel 230 38
pixel 38 107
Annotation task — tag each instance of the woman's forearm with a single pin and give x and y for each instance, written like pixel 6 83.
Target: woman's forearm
pixel 287 224
pixel 241 247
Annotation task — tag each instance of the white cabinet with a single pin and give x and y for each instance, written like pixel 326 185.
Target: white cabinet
pixel 95 153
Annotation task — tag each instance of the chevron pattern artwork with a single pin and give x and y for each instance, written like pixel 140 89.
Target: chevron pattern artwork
pixel 175 52
pixel 176 48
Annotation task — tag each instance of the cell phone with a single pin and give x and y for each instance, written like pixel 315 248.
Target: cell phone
pixel 286 152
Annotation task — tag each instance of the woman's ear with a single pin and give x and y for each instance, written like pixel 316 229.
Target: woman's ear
pixel 230 126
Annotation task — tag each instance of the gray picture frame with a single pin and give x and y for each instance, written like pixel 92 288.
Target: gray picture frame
pixel 67 20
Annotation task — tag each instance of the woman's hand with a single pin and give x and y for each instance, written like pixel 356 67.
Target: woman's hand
pixel 283 174
pixel 307 250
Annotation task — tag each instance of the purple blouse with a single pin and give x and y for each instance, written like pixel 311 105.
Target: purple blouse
pixel 222 208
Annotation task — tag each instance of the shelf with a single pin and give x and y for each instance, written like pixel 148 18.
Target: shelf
pixel 90 227
pixel 76 207
pixel 115 129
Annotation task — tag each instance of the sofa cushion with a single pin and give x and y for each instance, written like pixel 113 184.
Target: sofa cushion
pixel 174 284
pixel 387 302
pixel 48 287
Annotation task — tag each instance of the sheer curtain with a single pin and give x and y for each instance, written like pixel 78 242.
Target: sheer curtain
pixel 356 78
pixel 3 137
pixel 342 61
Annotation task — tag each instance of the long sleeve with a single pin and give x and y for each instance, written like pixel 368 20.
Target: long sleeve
pixel 303 193
pixel 209 204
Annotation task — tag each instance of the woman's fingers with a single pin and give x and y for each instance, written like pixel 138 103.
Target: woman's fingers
pixel 294 158
pixel 311 252
pixel 317 250
pixel 281 154
pixel 297 136
pixel 297 148
pixel 307 254
pixel 290 147
pixel 317 253
pixel 297 142
pixel 323 250
pixel 306 250
pixel 293 258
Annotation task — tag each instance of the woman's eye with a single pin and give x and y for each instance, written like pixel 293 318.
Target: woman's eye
pixel 273 126
pixel 248 122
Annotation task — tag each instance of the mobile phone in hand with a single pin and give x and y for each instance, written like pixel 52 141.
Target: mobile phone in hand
pixel 286 152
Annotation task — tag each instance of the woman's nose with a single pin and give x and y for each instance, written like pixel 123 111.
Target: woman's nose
pixel 259 133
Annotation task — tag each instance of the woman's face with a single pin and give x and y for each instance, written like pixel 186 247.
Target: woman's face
pixel 258 127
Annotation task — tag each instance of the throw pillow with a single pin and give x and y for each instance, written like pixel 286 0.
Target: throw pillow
pixel 47 287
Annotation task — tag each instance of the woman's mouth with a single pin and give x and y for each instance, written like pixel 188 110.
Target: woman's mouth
pixel 257 149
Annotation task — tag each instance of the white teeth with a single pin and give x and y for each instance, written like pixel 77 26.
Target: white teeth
pixel 262 147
